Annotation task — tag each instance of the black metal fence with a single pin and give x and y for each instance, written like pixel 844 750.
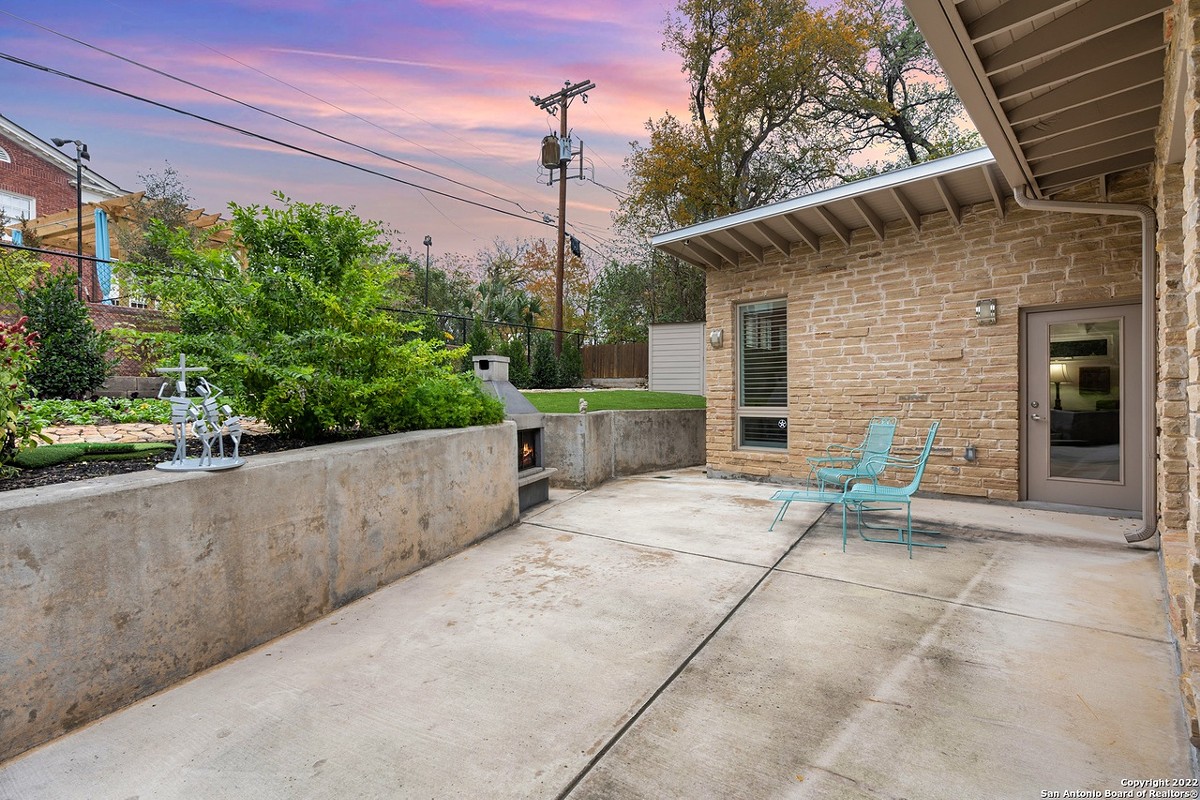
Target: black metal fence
pixel 457 328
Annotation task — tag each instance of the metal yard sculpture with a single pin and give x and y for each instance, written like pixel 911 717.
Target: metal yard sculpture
pixel 208 421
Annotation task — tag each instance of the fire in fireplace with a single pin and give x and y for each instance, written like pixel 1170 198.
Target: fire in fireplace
pixel 533 476
pixel 527 449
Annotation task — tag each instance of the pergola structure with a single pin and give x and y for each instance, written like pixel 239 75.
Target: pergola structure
pixel 61 232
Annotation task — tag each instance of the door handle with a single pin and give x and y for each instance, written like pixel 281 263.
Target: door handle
pixel 1036 417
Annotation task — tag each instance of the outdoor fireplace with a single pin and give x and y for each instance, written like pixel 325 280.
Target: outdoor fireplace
pixel 529 449
pixel 533 477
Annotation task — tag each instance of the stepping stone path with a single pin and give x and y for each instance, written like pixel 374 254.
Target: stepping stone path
pixel 129 432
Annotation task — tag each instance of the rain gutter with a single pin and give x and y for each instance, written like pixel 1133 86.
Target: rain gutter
pixel 1149 276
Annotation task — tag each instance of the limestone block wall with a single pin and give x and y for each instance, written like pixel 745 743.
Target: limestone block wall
pixel 888 327
pixel 112 589
pixel 1177 192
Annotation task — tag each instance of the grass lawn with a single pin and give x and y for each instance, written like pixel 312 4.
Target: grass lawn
pixel 611 400
pixel 47 455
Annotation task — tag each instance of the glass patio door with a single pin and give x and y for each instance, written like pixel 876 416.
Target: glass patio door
pixel 1082 403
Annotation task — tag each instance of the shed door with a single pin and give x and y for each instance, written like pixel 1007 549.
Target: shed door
pixel 1083 399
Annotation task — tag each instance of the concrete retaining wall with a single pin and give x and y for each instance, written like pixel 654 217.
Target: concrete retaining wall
pixel 112 589
pixel 588 449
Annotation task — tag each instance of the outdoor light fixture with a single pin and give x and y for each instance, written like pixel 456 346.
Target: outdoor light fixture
pixel 428 244
pixel 1058 376
pixel 971 454
pixel 716 338
pixel 81 155
pixel 985 312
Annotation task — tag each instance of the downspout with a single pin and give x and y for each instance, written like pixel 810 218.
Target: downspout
pixel 1149 277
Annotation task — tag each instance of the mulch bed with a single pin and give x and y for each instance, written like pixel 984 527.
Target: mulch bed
pixel 252 444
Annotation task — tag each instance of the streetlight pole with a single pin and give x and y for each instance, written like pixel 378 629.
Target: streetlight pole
pixel 81 155
pixel 428 244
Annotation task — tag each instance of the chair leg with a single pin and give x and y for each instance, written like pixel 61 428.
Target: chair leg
pixel 908 526
pixel 903 534
pixel 782 510
pixel 843 527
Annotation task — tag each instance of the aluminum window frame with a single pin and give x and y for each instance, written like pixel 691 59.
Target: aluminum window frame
pixel 761 325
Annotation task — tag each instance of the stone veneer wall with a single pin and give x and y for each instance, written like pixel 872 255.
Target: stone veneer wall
pixel 1177 195
pixel 889 328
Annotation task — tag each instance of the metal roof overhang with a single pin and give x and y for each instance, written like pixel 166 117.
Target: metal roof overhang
pixel 1062 91
pixel 945 185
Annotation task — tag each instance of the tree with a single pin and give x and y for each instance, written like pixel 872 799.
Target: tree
pixel 166 201
pixel 543 369
pixel 72 355
pixel 757 71
pixel 18 428
pixel 630 295
pixel 480 341
pixel 623 303
pixel 302 335
pixel 500 294
pixel 518 361
pixel 897 94
pixel 783 97
pixel 570 363
pixel 19 270
pixel 539 264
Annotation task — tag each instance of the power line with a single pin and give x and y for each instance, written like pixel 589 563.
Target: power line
pixel 388 131
pixel 51 71
pixel 615 192
pixel 267 112
pixel 423 147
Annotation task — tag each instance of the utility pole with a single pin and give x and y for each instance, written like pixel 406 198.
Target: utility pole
pixel 556 104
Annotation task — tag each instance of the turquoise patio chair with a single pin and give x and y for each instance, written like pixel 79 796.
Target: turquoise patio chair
pixel 869 496
pixel 840 465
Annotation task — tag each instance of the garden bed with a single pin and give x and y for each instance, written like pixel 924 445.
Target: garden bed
pixel 252 444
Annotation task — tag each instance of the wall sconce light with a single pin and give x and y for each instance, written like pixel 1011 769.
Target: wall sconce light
pixel 985 312
pixel 970 453
pixel 716 338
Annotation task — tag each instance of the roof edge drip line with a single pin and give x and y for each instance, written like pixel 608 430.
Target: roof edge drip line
pixel 1149 276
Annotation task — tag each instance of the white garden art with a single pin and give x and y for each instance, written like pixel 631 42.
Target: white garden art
pixel 210 422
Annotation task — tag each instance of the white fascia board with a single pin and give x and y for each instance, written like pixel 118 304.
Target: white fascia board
pixel 888 180
pixel 943 29
pixel 92 181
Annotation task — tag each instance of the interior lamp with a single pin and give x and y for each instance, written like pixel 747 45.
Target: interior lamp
pixel 1058 376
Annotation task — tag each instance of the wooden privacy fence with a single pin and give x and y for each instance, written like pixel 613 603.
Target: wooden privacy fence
pixel 616 360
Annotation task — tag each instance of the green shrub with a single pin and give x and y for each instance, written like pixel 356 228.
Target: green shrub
pixel 518 362
pixel 18 358
pixel 450 401
pixel 72 354
pixel 480 341
pixel 543 372
pixel 101 411
pixel 570 363
pixel 300 337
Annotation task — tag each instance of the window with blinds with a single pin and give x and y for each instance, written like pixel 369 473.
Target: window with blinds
pixel 762 375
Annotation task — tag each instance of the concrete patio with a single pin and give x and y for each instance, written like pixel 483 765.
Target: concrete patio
pixel 649 638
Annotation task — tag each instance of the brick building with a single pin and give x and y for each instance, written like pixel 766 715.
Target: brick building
pixel 37 179
pixel 1079 228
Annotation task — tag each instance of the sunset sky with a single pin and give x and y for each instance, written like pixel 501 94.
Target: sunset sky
pixel 443 85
